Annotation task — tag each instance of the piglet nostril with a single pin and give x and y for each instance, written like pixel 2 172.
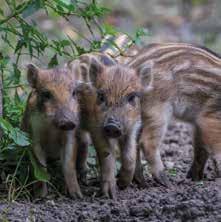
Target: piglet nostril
pixel 66 125
pixel 112 130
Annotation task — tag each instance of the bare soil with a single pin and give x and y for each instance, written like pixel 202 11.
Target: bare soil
pixel 183 201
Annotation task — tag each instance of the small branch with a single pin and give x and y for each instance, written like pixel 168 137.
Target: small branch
pixel 75 51
pixel 15 86
pixel 87 23
pixel 99 27
pixel 89 28
pixel 16 13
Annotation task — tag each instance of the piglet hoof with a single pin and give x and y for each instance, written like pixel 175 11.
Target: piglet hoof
pixel 123 183
pixel 74 191
pixel 76 195
pixel 83 177
pixel 194 174
pixel 139 180
pixel 83 180
pixel 162 179
pixel 217 167
pixel 109 189
pixel 40 190
pixel 190 174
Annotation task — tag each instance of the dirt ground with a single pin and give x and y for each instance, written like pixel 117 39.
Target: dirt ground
pixel 183 201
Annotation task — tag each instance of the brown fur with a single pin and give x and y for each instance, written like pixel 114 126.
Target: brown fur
pixel 182 80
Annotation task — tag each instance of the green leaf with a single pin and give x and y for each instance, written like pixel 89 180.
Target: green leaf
pixel 109 29
pixel 139 34
pixel 91 160
pixel 19 137
pixel 64 43
pixel 91 151
pixel 11 146
pixel 2 156
pixel 53 62
pixel 173 172
pixel 5 125
pixel 199 183
pixel 40 172
pixel 33 7
pixel 19 45
pixel 95 45
pixel 1 12
pixel 94 10
pixel 17 74
pixel 65 4
pixel 4 61
pixel 199 2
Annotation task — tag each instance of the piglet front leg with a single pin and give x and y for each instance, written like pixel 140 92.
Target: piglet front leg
pixel 69 156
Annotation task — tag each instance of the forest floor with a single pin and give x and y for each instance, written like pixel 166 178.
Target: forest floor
pixel 183 201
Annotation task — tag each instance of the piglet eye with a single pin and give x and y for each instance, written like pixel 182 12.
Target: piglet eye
pixel 101 98
pixel 131 99
pixel 46 95
pixel 74 93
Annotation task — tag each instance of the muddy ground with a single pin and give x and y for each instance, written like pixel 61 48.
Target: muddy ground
pixel 183 201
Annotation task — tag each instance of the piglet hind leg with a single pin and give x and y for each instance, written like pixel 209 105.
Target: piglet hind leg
pixel 217 163
pixel 210 128
pixel 200 157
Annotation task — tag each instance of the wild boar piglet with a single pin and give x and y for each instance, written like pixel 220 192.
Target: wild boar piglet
pixel 184 81
pixel 52 119
pixel 110 111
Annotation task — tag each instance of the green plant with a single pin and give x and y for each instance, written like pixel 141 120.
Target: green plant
pixel 172 172
pixel 23 39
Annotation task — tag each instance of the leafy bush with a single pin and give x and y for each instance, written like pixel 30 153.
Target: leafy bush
pixel 22 39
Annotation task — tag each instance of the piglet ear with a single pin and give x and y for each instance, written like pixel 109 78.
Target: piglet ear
pixel 107 60
pixel 145 73
pixel 85 72
pixel 91 66
pixel 74 67
pixel 96 68
pixel 32 75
